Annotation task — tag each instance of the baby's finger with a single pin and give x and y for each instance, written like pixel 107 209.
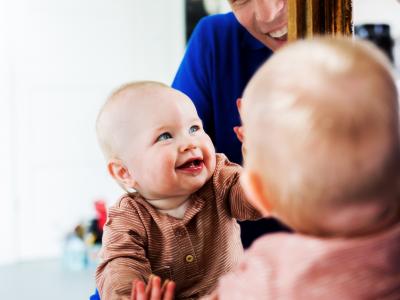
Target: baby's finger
pixel 239 103
pixel 164 285
pixel 169 291
pixel 138 290
pixel 156 289
pixel 133 291
pixel 149 285
pixel 239 132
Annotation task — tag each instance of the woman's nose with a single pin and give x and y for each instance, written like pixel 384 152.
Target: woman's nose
pixel 267 11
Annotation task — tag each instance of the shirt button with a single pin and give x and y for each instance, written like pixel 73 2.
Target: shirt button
pixel 179 232
pixel 189 258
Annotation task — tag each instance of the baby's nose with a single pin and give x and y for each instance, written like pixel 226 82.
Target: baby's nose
pixel 187 145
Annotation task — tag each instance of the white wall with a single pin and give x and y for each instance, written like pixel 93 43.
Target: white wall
pixel 378 11
pixel 7 186
pixel 381 11
pixel 58 62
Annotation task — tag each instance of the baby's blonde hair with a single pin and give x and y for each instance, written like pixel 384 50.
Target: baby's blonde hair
pixel 105 126
pixel 321 130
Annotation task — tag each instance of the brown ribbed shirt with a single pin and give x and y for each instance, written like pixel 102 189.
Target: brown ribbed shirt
pixel 194 251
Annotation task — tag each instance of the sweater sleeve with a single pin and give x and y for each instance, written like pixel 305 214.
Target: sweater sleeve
pixel 123 255
pixel 228 188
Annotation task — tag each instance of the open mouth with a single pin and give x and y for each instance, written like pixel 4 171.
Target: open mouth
pixel 280 34
pixel 193 166
pixel 193 163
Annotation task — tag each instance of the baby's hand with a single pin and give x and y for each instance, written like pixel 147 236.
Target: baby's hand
pixel 239 132
pixel 239 129
pixel 153 290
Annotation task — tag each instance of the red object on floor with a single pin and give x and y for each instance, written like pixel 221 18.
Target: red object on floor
pixel 101 211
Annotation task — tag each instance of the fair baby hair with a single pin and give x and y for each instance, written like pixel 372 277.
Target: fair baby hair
pixel 321 130
pixel 105 125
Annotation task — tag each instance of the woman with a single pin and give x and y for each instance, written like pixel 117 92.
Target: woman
pixel 223 53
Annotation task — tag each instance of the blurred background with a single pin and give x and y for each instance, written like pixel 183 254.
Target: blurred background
pixel 59 60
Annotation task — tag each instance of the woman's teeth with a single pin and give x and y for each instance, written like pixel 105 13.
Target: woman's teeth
pixel 279 33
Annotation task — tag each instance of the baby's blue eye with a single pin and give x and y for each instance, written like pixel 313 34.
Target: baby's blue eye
pixel 193 129
pixel 164 136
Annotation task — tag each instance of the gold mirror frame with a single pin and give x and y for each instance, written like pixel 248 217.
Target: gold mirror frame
pixel 308 18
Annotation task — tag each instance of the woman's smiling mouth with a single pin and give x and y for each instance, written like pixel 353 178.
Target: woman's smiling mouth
pixel 280 34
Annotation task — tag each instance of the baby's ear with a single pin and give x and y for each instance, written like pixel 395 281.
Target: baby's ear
pixel 120 173
pixel 253 187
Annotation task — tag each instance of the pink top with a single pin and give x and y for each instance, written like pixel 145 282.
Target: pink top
pixel 295 266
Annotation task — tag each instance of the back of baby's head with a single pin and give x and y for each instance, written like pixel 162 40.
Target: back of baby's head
pixel 321 128
pixel 120 111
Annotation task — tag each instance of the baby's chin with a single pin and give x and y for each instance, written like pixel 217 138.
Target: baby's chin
pixel 194 186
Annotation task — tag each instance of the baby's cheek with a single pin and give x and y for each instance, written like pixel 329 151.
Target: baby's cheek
pixel 165 174
pixel 166 165
pixel 209 150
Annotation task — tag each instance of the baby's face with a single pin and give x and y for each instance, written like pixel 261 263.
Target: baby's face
pixel 166 149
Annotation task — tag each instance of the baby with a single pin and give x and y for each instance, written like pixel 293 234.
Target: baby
pixel 322 155
pixel 178 218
